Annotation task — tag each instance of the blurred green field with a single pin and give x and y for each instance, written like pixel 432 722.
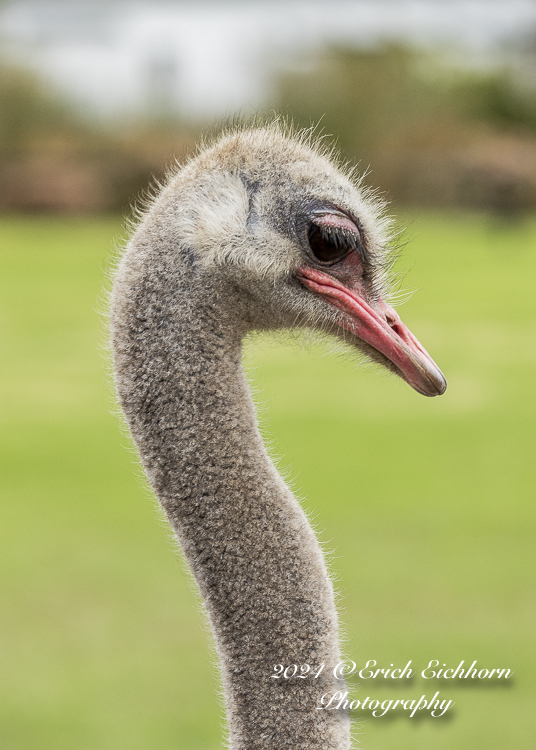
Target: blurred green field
pixel 427 504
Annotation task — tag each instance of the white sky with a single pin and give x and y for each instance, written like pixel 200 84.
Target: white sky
pixel 206 59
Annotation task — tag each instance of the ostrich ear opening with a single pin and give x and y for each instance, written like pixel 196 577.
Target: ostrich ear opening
pixel 215 222
pixel 217 225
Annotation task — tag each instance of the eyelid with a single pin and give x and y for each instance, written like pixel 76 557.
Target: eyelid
pixel 335 221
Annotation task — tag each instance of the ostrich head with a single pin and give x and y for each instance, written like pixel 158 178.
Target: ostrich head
pixel 283 238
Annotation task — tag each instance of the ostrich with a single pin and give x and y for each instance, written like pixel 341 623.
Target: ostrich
pixel 261 230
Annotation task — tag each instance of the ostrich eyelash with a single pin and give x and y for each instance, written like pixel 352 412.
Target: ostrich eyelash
pixel 339 237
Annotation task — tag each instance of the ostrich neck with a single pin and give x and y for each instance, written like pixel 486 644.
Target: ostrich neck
pixel 252 552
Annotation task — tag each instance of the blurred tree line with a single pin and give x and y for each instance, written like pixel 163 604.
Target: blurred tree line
pixel 431 134
pixel 52 158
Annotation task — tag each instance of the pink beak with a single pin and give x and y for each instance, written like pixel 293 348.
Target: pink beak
pixel 381 328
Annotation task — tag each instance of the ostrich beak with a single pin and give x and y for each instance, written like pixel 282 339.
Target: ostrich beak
pixel 381 328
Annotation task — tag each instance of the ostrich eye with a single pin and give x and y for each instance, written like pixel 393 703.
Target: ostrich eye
pixel 330 245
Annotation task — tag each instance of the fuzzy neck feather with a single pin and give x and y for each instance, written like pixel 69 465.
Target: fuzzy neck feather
pixel 177 346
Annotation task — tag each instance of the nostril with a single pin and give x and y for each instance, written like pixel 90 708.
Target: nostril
pixel 396 328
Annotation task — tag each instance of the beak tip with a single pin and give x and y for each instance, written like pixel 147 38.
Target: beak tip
pixel 436 384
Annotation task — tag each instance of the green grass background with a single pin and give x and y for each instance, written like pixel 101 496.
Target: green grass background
pixel 428 504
